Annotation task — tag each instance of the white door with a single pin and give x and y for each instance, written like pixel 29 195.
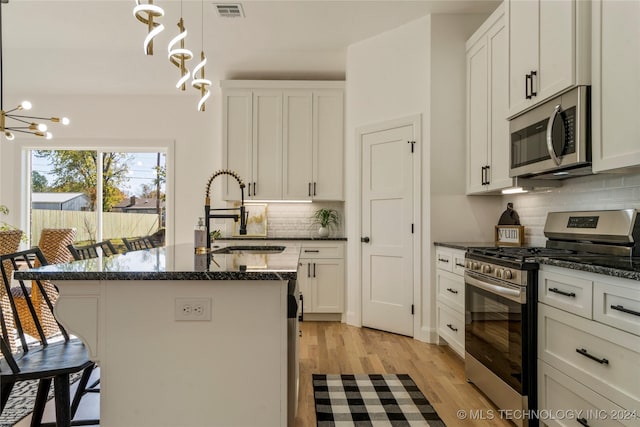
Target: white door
pixel 387 221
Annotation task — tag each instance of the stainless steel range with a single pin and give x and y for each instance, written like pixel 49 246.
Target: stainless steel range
pixel 501 300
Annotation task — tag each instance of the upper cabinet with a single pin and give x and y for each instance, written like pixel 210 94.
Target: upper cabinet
pixel 284 138
pixel 549 49
pixel 616 85
pixel 487 97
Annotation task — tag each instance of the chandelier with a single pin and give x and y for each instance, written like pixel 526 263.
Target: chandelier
pixel 177 53
pixel 13 120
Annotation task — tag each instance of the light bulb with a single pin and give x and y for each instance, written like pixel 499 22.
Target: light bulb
pixel 10 136
pixel 42 127
pixel 65 121
pixel 48 135
pixel 25 105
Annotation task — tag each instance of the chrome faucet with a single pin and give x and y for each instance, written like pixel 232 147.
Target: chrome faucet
pixel 242 216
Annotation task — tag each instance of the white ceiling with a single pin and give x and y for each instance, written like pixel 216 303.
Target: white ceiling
pixel 95 46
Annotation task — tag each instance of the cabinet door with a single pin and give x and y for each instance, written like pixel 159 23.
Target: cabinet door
pixel 327 287
pixel 477 115
pixel 523 18
pixel 297 173
pixel 616 86
pixel 304 283
pixel 237 131
pixel 328 145
pixel 267 144
pixel 557 61
pixel 499 139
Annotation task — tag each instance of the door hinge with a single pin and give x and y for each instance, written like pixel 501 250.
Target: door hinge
pixel 412 308
pixel 412 144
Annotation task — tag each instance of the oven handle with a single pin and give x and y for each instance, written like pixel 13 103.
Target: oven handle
pixel 489 285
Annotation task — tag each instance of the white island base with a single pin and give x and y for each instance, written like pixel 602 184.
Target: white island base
pixel 158 371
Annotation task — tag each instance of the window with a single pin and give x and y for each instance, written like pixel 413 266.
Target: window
pixel 102 193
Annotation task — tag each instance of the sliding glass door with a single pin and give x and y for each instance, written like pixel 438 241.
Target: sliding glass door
pixel 102 194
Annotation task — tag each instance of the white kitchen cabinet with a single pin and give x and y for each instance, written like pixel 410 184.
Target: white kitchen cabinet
pixel 313 145
pixel 590 332
pixel 450 297
pixel 616 87
pixel 549 49
pixel 321 280
pixel 284 138
pixel 237 126
pixel 487 92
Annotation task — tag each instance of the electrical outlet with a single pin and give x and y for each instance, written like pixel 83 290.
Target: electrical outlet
pixel 193 309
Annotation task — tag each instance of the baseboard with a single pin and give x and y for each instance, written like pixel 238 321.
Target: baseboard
pixel 323 317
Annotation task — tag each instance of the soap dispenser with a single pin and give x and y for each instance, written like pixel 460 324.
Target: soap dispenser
pixel 200 237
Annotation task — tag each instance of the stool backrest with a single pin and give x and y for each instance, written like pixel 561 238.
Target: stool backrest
pixel 92 251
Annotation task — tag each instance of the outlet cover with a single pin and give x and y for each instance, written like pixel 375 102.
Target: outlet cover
pixel 193 309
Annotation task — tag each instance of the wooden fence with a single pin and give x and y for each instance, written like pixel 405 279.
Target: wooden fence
pixel 114 224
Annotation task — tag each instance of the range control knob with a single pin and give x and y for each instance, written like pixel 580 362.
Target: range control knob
pixel 508 274
pixel 487 269
pixel 475 266
pixel 499 273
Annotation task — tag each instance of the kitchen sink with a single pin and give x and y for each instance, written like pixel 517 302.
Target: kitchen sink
pixel 249 250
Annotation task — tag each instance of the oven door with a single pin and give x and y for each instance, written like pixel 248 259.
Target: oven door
pixel 494 326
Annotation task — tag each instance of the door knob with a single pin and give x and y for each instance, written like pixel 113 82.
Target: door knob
pixel 364 239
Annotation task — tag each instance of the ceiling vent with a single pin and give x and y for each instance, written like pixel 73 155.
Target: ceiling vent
pixel 229 10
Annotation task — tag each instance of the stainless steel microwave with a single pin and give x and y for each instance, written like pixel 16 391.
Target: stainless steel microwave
pixel 553 140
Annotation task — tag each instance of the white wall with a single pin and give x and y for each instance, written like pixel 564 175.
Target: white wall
pixel 417 68
pixel 127 121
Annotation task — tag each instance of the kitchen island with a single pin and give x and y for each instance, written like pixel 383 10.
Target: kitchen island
pixel 183 339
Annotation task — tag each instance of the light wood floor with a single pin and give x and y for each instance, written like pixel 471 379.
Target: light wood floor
pixel 335 348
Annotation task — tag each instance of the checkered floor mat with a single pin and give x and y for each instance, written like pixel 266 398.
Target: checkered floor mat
pixel 371 401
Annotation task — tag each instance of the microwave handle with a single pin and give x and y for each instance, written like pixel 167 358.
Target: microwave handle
pixel 552 120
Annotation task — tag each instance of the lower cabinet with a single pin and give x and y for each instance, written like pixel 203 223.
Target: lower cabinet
pixel 588 348
pixel 450 297
pixel 321 280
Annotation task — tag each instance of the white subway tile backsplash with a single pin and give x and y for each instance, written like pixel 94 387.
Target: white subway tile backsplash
pixel 595 192
pixel 295 219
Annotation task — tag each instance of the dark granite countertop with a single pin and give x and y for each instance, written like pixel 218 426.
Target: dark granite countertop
pixel 319 239
pixel 624 267
pixel 464 245
pixel 175 263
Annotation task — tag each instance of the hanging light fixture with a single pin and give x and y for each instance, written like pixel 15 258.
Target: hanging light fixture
pixel 146 13
pixel 199 82
pixel 21 123
pixel 179 55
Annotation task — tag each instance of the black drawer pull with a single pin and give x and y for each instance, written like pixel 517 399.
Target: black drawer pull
pixel 453 291
pixel 459 265
pixel 582 421
pixel 566 294
pixel 584 352
pixel 308 251
pixel 450 326
pixel 625 310
pixel 443 260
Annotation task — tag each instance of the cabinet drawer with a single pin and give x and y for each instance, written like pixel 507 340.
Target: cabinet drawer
pixel 322 251
pixel 560 394
pixel 444 260
pixel 569 293
pixel 450 289
pixel 601 357
pixel 458 263
pixel 451 327
pixel 617 306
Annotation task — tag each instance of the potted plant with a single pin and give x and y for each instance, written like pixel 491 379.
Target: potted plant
pixel 327 219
